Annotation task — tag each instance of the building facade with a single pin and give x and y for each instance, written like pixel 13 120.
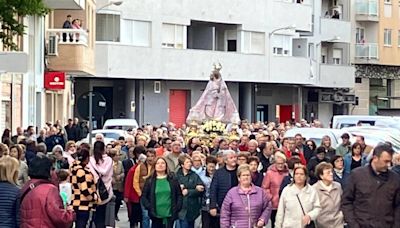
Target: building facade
pixel 377 52
pixel 151 56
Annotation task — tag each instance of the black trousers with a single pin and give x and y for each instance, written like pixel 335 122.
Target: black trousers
pixel 100 216
pixel 158 223
pixel 208 221
pixel 273 216
pixel 118 201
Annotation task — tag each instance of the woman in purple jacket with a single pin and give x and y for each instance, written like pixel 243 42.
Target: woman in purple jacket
pixel 245 205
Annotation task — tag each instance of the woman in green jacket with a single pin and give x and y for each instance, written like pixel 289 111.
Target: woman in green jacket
pixel 192 191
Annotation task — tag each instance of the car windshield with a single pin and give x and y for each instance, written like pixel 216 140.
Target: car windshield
pixel 119 127
pixel 111 135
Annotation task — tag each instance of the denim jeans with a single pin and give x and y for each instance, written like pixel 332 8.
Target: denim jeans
pixel 185 224
pixel 145 217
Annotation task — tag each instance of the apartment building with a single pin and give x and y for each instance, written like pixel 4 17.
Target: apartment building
pixel 69 54
pixel 18 72
pixel 280 58
pixel 377 52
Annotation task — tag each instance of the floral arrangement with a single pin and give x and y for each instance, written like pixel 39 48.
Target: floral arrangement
pixel 213 126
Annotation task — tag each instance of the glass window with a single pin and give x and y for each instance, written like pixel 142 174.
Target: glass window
pixel 108 27
pixel 137 33
pixel 337 56
pixel 253 42
pixel 173 36
pixel 387 37
pixel 281 45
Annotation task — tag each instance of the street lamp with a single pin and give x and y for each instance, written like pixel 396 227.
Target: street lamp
pixel 112 2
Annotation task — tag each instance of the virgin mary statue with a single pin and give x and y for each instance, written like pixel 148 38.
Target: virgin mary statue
pixel 215 103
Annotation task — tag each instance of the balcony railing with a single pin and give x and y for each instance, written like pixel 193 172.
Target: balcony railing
pixel 367 7
pixel 68 36
pixel 367 51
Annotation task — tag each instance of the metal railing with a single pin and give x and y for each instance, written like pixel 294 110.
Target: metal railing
pixel 367 51
pixel 367 7
pixel 69 36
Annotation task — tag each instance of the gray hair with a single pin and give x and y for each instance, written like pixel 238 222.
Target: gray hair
pixel 226 153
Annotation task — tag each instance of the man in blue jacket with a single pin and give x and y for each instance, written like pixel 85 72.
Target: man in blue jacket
pixel 224 179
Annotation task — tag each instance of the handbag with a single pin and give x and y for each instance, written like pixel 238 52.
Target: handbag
pixel 101 188
pixel 311 224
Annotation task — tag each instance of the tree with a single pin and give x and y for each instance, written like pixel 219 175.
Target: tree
pixel 11 14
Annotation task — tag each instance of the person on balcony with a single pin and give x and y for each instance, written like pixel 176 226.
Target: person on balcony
pixel 67 25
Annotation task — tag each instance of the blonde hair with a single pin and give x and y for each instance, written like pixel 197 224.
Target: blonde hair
pixel 3 150
pixel 242 168
pixel 280 155
pixel 9 168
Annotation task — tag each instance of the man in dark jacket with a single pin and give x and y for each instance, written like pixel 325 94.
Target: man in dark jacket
pixel 224 179
pixel 371 198
pixel 320 156
pixel 71 131
pixel 303 148
pixel 54 139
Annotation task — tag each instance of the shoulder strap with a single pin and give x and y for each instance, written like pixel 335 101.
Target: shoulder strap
pixel 302 209
pixel 31 187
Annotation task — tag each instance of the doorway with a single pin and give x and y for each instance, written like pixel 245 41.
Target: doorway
pixel 262 113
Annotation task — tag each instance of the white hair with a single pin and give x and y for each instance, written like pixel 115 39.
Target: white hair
pixel 225 153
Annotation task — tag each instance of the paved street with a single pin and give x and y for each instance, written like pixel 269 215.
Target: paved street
pixel 124 222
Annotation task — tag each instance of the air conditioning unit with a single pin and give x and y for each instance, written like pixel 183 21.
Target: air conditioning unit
pixel 52 46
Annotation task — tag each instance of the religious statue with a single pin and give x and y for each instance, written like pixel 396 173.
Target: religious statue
pixel 216 102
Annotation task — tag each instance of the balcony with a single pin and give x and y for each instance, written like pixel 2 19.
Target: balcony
pixel 336 76
pixel 342 29
pixel 300 15
pixel 68 50
pixel 367 10
pixel 66 4
pixel 366 53
pixel 126 61
pixel 291 70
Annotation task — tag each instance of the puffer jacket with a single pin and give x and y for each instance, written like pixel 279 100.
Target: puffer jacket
pixel 42 207
pixel 289 213
pixel 234 213
pixel 272 183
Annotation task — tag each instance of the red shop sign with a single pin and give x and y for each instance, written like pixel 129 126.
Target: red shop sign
pixel 54 80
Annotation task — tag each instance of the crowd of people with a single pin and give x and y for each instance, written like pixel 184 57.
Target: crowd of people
pixel 169 177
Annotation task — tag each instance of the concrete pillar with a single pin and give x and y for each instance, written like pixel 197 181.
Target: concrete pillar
pixel 362 92
pixel 246 101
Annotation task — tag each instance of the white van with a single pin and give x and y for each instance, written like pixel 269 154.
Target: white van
pixel 121 124
pixel 341 121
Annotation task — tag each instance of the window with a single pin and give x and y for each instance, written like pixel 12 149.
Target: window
pixel 324 53
pixel 137 33
pixel 387 37
pixel 281 45
pixel 398 38
pixel 173 36
pixel 253 42
pixel 360 35
pixel 337 56
pixel 108 27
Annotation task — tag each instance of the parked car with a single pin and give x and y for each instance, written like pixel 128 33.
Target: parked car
pixel 110 135
pixel 316 134
pixel 374 135
pixel 342 121
pixel 121 124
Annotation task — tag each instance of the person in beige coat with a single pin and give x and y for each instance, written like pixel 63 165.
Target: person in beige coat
pixel 290 213
pixel 329 194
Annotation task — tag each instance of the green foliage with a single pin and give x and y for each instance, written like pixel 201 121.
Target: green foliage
pixel 11 11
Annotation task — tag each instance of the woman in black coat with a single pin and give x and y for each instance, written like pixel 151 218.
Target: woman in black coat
pixel 162 196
